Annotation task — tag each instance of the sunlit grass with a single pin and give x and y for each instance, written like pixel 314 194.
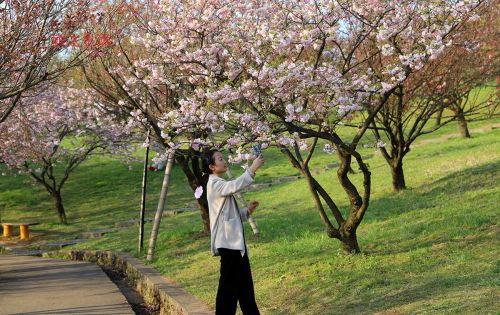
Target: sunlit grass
pixel 431 249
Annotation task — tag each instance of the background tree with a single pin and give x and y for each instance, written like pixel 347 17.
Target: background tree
pixel 40 40
pixel 452 82
pixel 52 131
pixel 469 70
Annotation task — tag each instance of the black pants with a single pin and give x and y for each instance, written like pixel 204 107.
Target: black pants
pixel 235 284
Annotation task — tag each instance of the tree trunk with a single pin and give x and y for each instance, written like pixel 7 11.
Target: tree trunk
pixel 462 123
pixel 358 204
pixel 439 115
pixel 316 191
pixel 347 231
pixel 349 240
pixel 194 182
pixel 204 215
pixel 56 195
pixel 330 229
pixel 398 177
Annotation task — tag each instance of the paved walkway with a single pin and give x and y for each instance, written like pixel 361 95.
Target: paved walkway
pixel 32 285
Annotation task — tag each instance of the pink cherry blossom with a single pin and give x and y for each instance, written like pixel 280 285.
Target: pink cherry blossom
pixel 198 192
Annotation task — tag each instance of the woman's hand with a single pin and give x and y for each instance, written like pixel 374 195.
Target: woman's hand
pixel 252 207
pixel 257 163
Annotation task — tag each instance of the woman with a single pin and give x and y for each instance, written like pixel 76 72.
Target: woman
pixel 227 234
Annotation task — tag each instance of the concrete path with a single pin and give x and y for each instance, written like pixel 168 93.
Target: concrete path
pixel 32 285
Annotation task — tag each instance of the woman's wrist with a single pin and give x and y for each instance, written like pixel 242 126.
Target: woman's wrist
pixel 251 171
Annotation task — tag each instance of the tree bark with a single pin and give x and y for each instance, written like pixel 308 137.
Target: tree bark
pixel 439 114
pixel 398 177
pixel 194 182
pixel 204 216
pixel 56 195
pixel 357 204
pixel 349 240
pixel 316 191
pixel 462 123
pixel 347 231
pixel 330 229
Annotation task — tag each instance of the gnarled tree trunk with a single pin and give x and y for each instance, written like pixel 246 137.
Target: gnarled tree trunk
pixel 462 122
pixel 56 196
pixel 349 240
pixel 398 177
pixel 439 116
pixel 346 231
pixel 194 179
pixel 203 204
pixel 357 205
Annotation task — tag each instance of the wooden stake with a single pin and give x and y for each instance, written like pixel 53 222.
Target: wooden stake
pixel 161 207
pixel 143 198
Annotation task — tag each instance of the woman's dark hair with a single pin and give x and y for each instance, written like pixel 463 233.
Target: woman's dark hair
pixel 207 159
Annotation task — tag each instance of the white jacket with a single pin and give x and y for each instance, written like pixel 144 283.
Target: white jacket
pixel 226 219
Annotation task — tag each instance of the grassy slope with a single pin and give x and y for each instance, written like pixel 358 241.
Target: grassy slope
pixel 430 249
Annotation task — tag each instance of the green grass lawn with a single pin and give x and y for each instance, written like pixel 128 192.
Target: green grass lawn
pixel 432 249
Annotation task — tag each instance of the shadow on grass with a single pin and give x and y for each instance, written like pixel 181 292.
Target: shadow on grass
pixel 422 292
pixel 437 213
pixel 451 187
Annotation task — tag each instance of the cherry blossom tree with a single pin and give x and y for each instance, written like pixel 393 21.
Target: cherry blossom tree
pixel 469 71
pixel 40 40
pixel 135 80
pixel 53 130
pixel 454 82
pixel 283 72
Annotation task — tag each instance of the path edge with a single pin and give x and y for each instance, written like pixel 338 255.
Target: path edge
pixel 157 290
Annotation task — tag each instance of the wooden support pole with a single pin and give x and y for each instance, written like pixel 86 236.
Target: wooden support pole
pixel 161 206
pixel 143 198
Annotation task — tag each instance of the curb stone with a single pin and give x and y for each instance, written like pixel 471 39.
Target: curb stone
pixel 60 244
pixel 131 222
pixel 38 250
pixel 168 213
pixel 157 290
pixel 99 233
